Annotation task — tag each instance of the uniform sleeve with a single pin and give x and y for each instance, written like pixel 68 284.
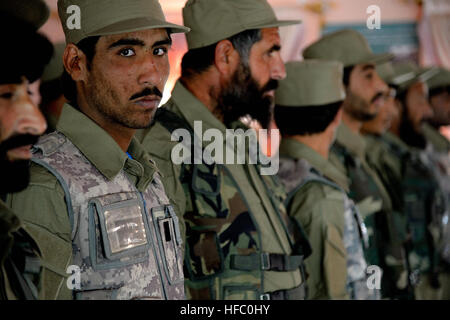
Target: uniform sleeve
pixel 321 218
pixel 42 209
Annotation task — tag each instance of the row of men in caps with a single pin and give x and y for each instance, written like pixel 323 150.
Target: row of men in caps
pixel 94 197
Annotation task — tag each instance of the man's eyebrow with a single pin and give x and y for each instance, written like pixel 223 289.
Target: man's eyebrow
pixel 368 67
pixel 167 41
pixel 127 42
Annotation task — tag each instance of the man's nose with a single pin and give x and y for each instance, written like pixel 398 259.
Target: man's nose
pixel 29 119
pixel 278 71
pixel 152 72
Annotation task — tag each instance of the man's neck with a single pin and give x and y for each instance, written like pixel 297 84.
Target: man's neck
pixel 352 123
pixel 200 86
pixel 317 142
pixel 119 133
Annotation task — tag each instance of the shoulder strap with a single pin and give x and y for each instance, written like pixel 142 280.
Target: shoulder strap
pixel 311 177
pixel 48 145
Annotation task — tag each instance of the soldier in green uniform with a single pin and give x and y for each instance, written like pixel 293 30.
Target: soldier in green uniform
pixel 308 112
pixel 20 125
pixel 239 243
pixel 407 173
pixel 365 95
pixel 438 152
pixel 95 204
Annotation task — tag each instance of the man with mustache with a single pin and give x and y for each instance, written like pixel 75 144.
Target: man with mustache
pixel 96 204
pixel 365 95
pixel 239 245
pixel 21 123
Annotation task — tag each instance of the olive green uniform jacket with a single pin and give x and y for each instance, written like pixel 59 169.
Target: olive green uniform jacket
pixel 157 141
pixel 11 231
pixel 42 208
pixel 319 208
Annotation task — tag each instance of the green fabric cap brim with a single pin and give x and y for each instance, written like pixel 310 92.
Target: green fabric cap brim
pixel 137 24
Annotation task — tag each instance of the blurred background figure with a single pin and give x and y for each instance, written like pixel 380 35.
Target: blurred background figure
pixel 21 123
pixel 52 97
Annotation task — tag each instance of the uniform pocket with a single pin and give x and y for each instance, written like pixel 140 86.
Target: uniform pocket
pixel 118 231
pixel 169 242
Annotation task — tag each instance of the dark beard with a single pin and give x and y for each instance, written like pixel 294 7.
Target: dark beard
pixel 409 135
pixel 358 106
pixel 243 96
pixel 14 175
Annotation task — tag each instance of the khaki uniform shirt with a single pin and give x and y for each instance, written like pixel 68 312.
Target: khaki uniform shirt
pixel 319 208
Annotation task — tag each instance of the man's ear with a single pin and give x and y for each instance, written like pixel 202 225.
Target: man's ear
pixel 75 62
pixel 226 58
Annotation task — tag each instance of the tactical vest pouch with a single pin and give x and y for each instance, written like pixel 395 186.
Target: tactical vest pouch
pixel 206 180
pixel 118 231
pixel 169 242
pixel 240 292
pixel 204 257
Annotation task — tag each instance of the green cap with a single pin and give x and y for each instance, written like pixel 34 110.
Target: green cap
pixel 311 83
pixel 440 79
pixel 33 12
pixel 404 74
pixel 55 67
pixel 214 20
pixel 347 46
pixel 106 17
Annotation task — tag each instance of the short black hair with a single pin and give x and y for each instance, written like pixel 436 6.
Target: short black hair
pixel 69 88
pixel 305 120
pixel 438 90
pixel 50 90
pixel 198 60
pixel 346 77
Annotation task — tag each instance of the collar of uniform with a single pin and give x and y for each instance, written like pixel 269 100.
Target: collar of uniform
pixel 354 142
pixel 8 220
pixel 295 149
pixel 193 110
pixel 101 149
pixel 141 166
pixel 393 139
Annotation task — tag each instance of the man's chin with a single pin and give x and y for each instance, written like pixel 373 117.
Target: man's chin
pixel 15 176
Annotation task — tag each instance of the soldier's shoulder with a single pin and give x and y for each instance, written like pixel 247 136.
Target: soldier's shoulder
pixel 40 176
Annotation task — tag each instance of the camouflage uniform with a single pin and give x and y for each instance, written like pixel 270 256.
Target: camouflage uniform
pixel 417 200
pixel 236 223
pixel 337 267
pixel 375 205
pixel 20 267
pixel 438 153
pixel 110 218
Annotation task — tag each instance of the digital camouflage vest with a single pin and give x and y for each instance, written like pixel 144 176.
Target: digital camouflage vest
pixel 126 243
pixel 224 257
pixel 295 175
pixel 384 240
